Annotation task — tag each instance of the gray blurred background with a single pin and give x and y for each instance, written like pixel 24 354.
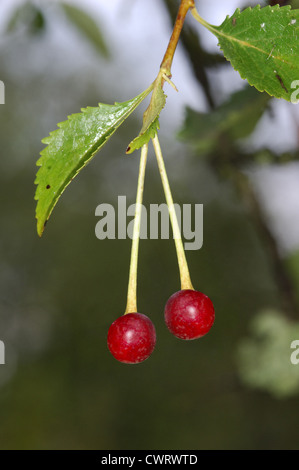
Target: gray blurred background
pixel 60 388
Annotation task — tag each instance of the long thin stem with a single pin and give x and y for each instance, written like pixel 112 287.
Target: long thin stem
pixel 198 18
pixel 132 286
pixel 183 266
pixel 168 57
pixel 153 110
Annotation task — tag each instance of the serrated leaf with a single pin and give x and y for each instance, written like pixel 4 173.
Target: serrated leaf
pixel 150 118
pixel 72 146
pixel 236 119
pixel 144 138
pixel 87 26
pixel 262 44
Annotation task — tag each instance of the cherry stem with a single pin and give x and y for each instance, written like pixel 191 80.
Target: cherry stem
pixel 182 262
pixel 132 286
pixel 179 22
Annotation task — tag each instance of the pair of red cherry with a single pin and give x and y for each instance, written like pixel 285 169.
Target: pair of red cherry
pixel 189 314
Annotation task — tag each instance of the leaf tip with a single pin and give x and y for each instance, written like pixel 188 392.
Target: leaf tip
pixel 40 227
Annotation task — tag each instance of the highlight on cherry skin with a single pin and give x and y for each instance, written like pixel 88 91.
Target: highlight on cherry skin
pixel 131 338
pixel 189 314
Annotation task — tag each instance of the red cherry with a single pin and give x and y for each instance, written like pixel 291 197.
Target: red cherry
pixel 131 338
pixel 189 314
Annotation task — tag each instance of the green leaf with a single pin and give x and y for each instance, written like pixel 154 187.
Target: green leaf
pixel 87 26
pixel 234 119
pixel 264 358
pixel 262 44
pixel 72 146
pixel 150 118
pixel 27 15
pixel 144 137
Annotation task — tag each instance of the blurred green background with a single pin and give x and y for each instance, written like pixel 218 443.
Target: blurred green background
pixel 60 388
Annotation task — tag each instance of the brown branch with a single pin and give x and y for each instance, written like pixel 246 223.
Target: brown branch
pixel 281 274
pixel 199 58
pixel 178 26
